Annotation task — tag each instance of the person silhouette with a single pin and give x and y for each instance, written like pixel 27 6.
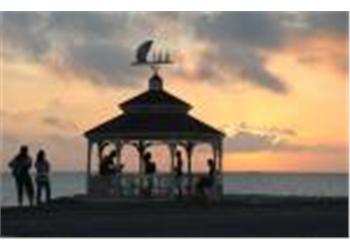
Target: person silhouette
pixel 20 166
pixel 178 174
pixel 107 166
pixel 42 166
pixel 207 182
pixel 150 170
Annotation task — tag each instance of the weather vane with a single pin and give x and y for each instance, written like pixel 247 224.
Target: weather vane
pixel 158 58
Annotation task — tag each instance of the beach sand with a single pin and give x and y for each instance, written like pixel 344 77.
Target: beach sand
pixel 235 216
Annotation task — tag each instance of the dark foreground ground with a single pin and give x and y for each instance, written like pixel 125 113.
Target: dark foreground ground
pixel 238 216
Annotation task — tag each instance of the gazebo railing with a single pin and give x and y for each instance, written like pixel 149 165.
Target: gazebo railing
pixel 136 185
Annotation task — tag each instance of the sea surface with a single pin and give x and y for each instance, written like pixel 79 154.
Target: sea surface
pixel 318 185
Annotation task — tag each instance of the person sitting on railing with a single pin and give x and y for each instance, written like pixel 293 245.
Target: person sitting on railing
pixel 207 182
pixel 107 166
pixel 150 170
pixel 178 174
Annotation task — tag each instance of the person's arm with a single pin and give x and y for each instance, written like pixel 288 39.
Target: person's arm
pixel 12 163
pixel 29 163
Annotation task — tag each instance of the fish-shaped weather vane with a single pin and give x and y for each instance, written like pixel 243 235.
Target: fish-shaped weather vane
pixel 158 58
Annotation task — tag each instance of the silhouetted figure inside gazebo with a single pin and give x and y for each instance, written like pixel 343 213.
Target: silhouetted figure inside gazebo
pixel 178 174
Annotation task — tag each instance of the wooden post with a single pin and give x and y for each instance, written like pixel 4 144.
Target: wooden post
pixel 189 150
pixel 88 166
pixel 215 148
pixel 141 150
pixel 140 147
pixel 172 150
pixel 220 149
pixel 118 148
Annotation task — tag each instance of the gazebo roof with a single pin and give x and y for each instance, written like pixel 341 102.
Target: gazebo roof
pixel 155 99
pixel 154 114
pixel 154 126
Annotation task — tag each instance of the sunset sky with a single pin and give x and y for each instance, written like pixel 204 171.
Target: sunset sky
pixel 275 82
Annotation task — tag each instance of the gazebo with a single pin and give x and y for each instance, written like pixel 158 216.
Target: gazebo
pixel 151 118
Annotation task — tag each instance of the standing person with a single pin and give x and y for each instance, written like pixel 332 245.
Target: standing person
pixel 42 166
pixel 178 174
pixel 206 183
pixel 20 166
pixel 150 170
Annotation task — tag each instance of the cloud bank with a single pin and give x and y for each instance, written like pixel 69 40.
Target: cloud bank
pixel 99 46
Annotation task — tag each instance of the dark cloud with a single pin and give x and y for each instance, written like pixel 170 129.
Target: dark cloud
pixel 328 22
pixel 236 41
pixel 89 44
pixel 87 25
pixel 252 67
pixel 24 33
pixel 102 63
pixel 254 29
pixel 100 45
pixel 247 141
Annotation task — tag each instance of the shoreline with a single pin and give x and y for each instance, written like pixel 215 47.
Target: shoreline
pixel 234 216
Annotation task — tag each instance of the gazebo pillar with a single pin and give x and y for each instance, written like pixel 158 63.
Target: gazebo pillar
pixel 141 148
pixel 118 148
pixel 220 152
pixel 215 148
pixel 189 150
pixel 217 154
pixel 172 150
pixel 88 165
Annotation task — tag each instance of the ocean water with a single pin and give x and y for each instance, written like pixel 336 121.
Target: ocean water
pixel 335 185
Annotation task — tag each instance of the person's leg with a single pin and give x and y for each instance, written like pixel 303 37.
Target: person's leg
pixel 38 192
pixel 29 188
pixel 48 191
pixel 19 187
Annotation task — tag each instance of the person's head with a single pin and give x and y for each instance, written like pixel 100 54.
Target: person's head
pixel 113 153
pixel 147 156
pixel 23 150
pixel 178 154
pixel 211 163
pixel 41 155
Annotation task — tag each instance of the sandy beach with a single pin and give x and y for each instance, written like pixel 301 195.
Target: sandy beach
pixel 235 216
